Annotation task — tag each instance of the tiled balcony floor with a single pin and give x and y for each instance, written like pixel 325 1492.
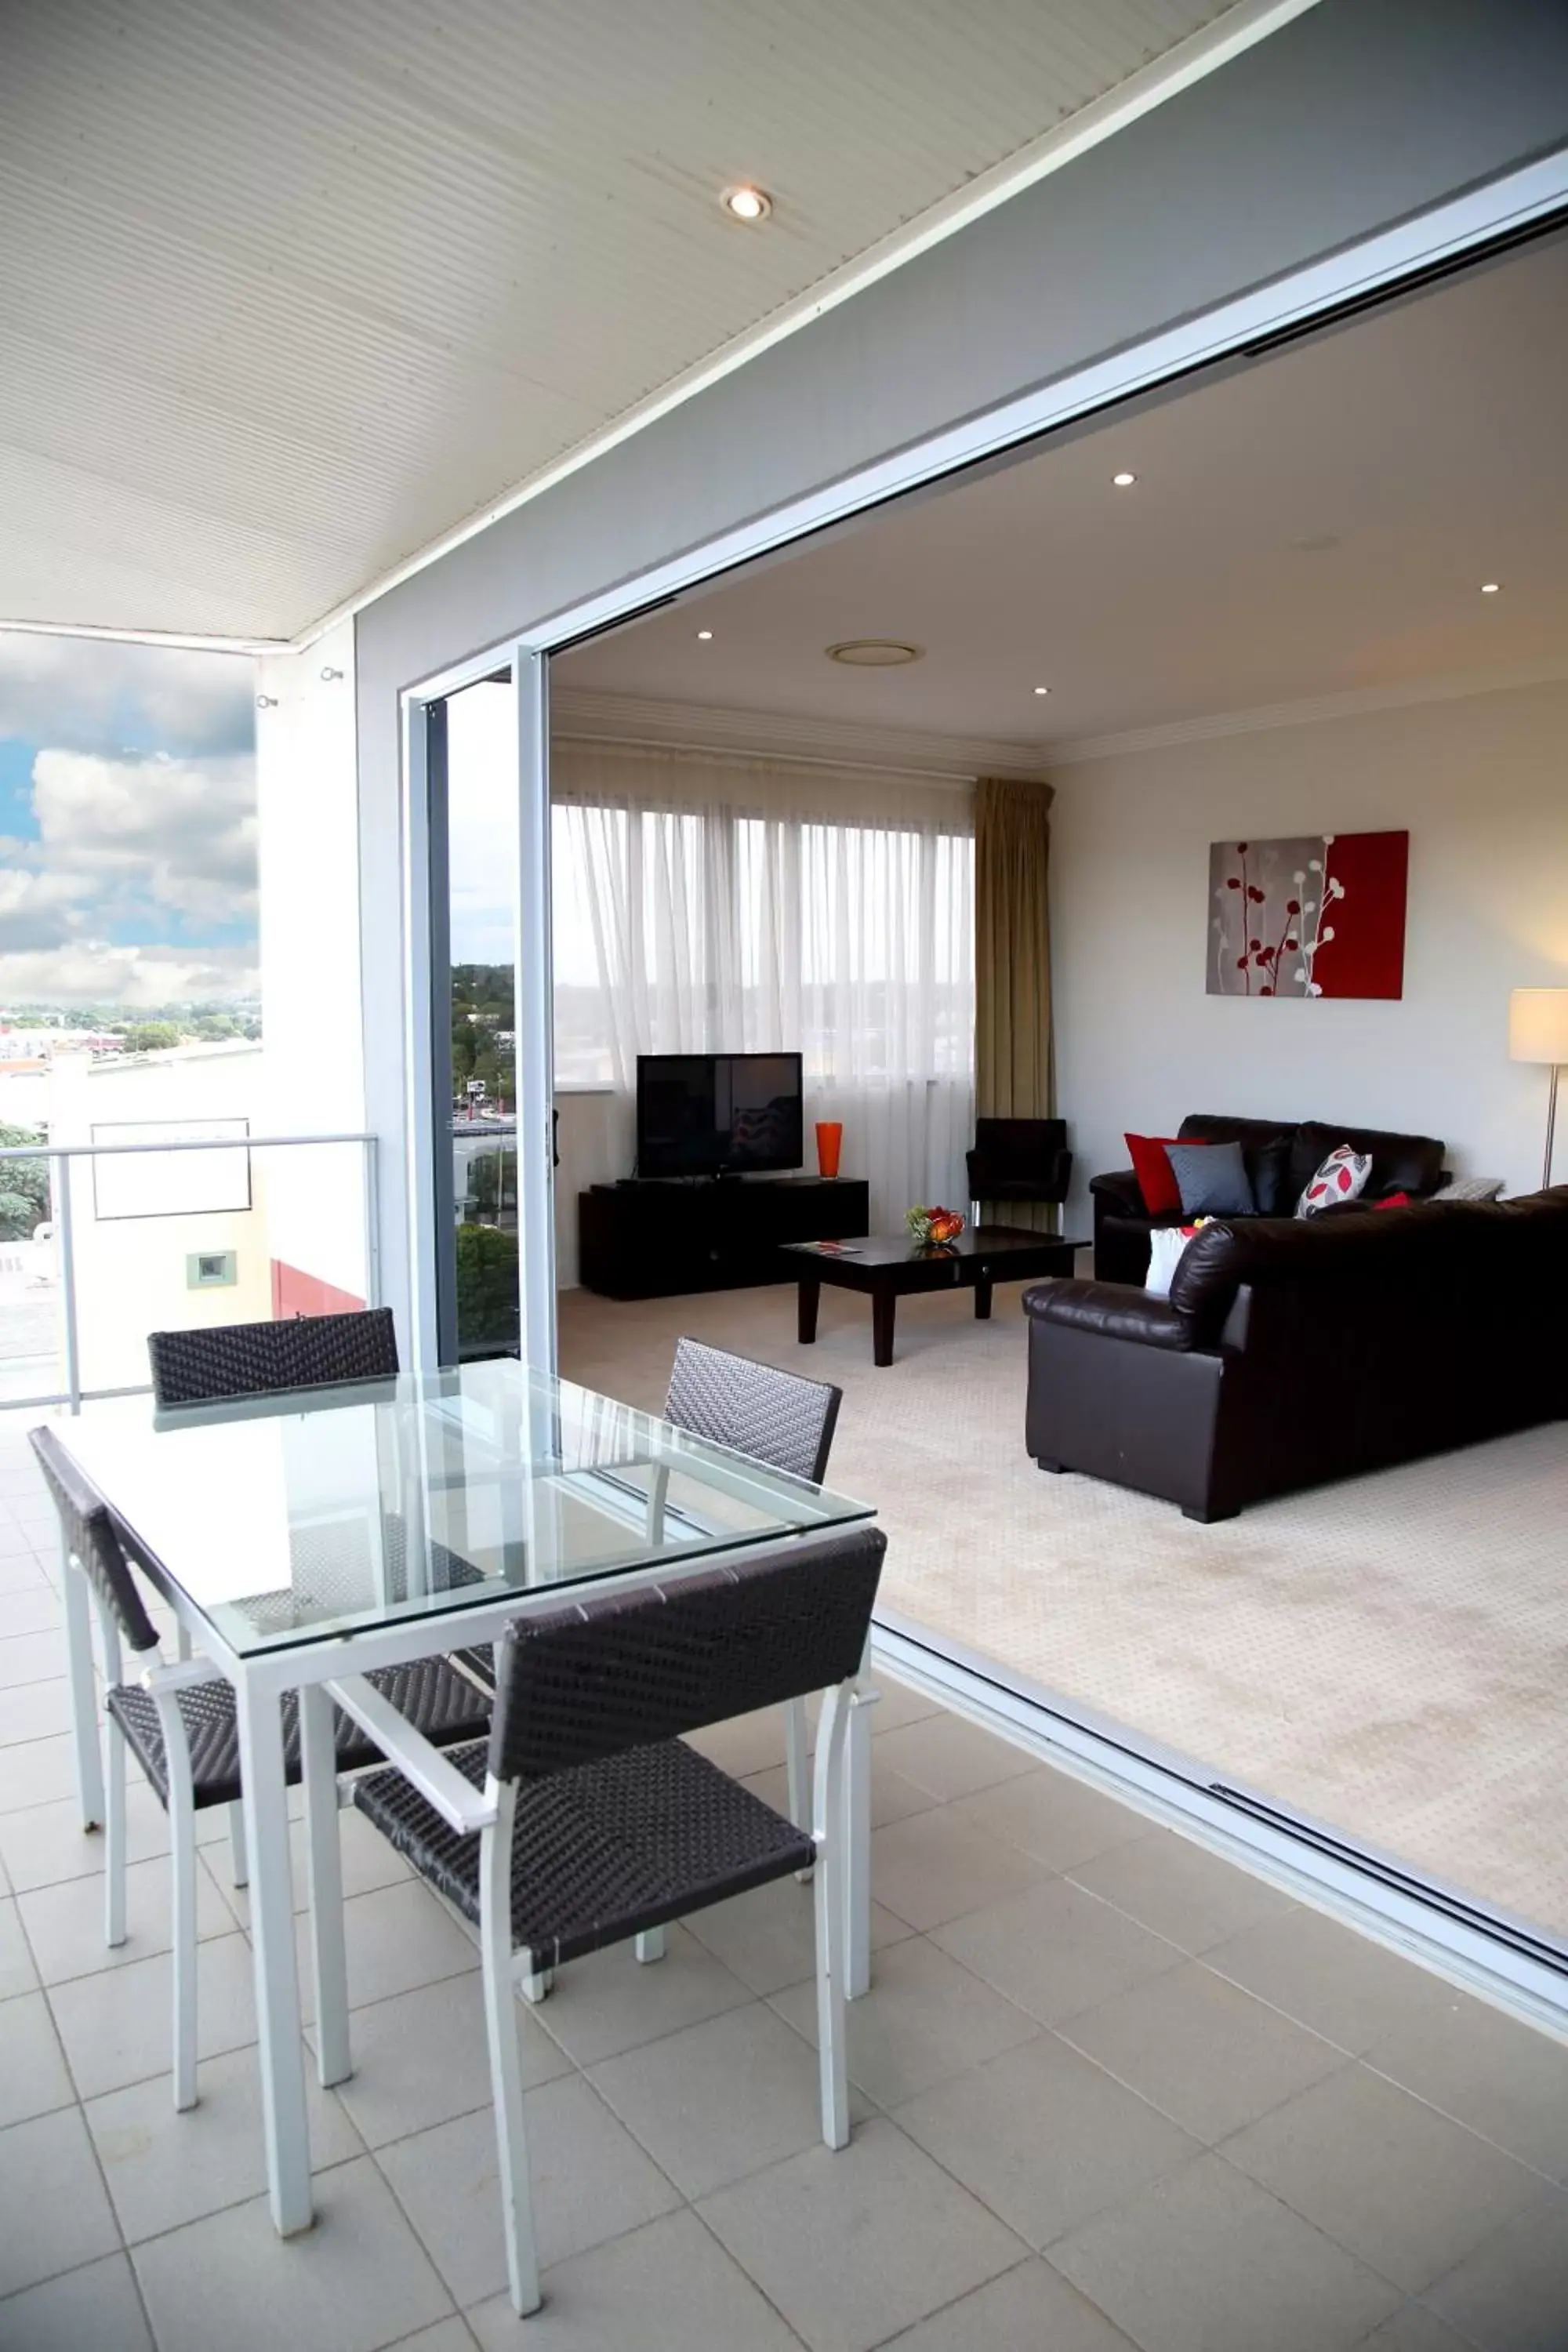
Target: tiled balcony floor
pixel 1113 2092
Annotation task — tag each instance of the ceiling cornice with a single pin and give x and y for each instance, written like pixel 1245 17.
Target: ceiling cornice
pixel 581 717
pixel 1453 686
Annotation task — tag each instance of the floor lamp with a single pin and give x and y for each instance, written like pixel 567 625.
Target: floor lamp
pixel 1538 1032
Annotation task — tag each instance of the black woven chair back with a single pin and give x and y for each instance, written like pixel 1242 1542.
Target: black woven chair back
pixel 88 1532
pixel 776 1417
pixel 309 1351
pixel 614 1674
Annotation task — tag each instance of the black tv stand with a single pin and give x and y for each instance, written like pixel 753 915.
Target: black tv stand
pixel 658 1237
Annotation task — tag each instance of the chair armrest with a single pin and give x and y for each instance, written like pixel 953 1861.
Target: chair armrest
pixel 454 1798
pixel 1111 1310
pixel 179 1673
pixel 1120 1189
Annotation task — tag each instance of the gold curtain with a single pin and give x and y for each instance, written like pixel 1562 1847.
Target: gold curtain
pixel 1015 1076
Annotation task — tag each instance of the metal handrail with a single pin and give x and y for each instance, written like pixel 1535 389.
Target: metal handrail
pixel 73 1394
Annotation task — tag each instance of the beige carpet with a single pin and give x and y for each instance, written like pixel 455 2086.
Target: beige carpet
pixel 1390 1654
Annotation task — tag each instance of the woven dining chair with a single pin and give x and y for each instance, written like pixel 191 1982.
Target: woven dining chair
pixel 777 1418
pixel 446 1700
pixel 178 1718
pixel 585 1821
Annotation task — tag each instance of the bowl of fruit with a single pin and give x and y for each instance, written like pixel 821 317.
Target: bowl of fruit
pixel 933 1228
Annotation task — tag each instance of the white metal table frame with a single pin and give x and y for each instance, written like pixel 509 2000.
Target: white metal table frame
pixel 260 1679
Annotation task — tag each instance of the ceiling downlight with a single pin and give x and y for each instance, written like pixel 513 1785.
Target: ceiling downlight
pixel 874 652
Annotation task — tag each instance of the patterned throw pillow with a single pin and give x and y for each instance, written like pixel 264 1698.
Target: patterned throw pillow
pixel 1342 1177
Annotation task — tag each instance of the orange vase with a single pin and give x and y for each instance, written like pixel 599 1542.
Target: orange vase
pixel 829 1141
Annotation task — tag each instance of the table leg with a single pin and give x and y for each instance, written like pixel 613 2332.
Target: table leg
pixel 810 1298
pixel 884 1307
pixel 325 1863
pixel 858 1841
pixel 281 2059
pixel 981 1299
pixel 78 1606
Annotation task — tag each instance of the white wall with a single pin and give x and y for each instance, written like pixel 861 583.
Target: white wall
pixel 311 1005
pixel 1483 786
pixel 596 1136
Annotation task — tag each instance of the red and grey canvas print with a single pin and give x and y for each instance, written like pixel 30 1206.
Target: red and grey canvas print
pixel 1308 914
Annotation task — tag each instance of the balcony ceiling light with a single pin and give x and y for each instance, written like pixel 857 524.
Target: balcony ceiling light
pixel 1123 481
pixel 746 203
pixel 1491 587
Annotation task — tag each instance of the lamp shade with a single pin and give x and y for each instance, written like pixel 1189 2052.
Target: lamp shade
pixel 1538 1026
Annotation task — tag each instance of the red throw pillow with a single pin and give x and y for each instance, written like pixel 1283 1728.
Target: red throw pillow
pixel 1156 1177
pixel 1394 1200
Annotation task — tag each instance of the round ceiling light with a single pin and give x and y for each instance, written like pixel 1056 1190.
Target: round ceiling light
pixel 746 203
pixel 874 652
pixel 1491 587
pixel 1042 689
pixel 1123 481
pixel 704 637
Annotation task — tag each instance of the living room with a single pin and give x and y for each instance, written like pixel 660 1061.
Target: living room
pixel 1327 599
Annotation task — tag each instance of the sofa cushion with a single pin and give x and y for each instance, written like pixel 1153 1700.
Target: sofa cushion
pixel 1212 1180
pixel 1400 1163
pixel 1341 1179
pixel 1149 1154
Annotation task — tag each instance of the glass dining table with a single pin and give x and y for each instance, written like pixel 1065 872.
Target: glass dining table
pixel 305 1537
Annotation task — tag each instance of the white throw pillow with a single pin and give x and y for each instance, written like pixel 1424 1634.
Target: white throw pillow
pixel 1342 1177
pixel 1166 1244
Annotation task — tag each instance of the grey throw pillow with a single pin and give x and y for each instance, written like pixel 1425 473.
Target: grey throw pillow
pixel 1212 1180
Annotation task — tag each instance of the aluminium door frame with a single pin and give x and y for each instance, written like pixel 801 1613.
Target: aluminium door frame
pixel 1444 236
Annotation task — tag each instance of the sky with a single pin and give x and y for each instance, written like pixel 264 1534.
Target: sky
pixel 126 824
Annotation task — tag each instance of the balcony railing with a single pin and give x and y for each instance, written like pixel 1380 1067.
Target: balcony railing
pixel 148 1251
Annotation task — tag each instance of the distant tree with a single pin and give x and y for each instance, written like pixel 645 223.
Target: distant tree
pixel 150 1036
pixel 488 1314
pixel 24 1186
pixel 212 1026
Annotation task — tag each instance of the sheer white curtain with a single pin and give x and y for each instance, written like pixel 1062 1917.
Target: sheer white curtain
pixel 706 904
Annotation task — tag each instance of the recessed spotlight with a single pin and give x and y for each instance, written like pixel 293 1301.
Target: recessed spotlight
pixel 1123 481
pixel 704 637
pixel 746 203
pixel 1490 587
pixel 1042 689
pixel 874 652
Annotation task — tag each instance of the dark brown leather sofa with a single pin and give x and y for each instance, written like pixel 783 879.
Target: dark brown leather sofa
pixel 1280 1161
pixel 1294 1350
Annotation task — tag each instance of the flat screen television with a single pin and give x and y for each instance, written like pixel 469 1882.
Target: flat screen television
pixel 717 1114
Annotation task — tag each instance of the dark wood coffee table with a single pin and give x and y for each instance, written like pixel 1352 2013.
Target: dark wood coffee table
pixel 888 1267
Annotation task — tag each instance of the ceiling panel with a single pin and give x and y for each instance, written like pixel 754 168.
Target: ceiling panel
pixel 292 288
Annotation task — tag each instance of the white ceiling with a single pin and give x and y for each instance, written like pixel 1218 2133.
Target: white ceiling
pixel 290 289
pixel 1315 524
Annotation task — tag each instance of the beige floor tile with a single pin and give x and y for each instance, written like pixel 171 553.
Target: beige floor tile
pixel 350 2285
pixel 33 2075
pixel 1030 2309
pixel 1414 2328
pixel 897 1704
pixel 32 1609
pixel 1182 1891
pixel 1059 1821
pixel 47 1846
pixel 36 1773
pixel 420 2059
pixel 34 1711
pixel 1207 2262
pixel 722 2099
pixel 750 1743
pixel 893 1798
pixel 670 2288
pixel 852 2246
pixel 118 2028
pixel 1203 2051
pixel 56 2213
pixel 1056 1950
pixel 1402 2185
pixel 953 1758
pixel 65 1923
pixel 768 1937
pixel 1044 2137
pixel 1511 2294
pixel 397 1938
pixel 452 2335
pixel 164 2168
pixel 29 1657
pixel 591 2182
pixel 1341 1984
pixel 932 1868
pixel 95 2309
pixel 925 2018
pixel 17 1974
pixel 1499 2075
pixel 369 1862
pixel 609 2002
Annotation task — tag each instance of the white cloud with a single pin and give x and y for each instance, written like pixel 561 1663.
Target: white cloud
pixel 123 837
pixel 86 695
pixel 135 979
